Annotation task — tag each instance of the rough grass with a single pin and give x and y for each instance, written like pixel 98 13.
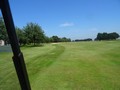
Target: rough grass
pixel 66 66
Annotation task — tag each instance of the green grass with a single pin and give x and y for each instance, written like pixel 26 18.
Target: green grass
pixel 66 66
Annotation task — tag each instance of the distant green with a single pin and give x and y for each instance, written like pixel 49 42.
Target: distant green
pixel 66 66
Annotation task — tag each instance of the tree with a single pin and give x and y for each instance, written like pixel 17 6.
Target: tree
pixel 113 35
pixel 107 36
pixel 99 36
pixel 78 40
pixel 58 39
pixel 34 33
pixel 47 39
pixel 3 32
pixel 55 39
pixel 64 39
pixel 21 36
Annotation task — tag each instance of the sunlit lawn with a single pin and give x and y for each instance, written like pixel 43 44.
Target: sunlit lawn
pixel 66 66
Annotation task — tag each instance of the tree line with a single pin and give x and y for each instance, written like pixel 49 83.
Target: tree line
pixel 78 40
pixel 101 36
pixel 107 36
pixel 32 33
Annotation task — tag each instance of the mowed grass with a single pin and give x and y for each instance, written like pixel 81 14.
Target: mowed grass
pixel 66 66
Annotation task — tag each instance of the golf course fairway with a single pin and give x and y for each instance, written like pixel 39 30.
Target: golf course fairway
pixel 66 66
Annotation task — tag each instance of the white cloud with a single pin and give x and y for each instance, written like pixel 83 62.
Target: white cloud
pixel 66 24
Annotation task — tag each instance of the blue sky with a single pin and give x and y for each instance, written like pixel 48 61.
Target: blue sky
pixel 76 19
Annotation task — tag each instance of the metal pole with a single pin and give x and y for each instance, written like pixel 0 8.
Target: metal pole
pixel 18 56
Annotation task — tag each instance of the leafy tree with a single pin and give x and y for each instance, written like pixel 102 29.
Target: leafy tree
pixel 107 36
pixel 113 35
pixel 78 40
pixel 34 33
pixel 21 36
pixel 3 32
pixel 99 36
pixel 55 39
pixel 47 39
pixel 51 39
pixel 58 39
pixel 64 39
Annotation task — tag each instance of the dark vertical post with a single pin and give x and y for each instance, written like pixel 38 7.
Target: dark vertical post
pixel 18 56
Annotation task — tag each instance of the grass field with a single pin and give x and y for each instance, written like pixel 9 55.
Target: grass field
pixel 66 66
